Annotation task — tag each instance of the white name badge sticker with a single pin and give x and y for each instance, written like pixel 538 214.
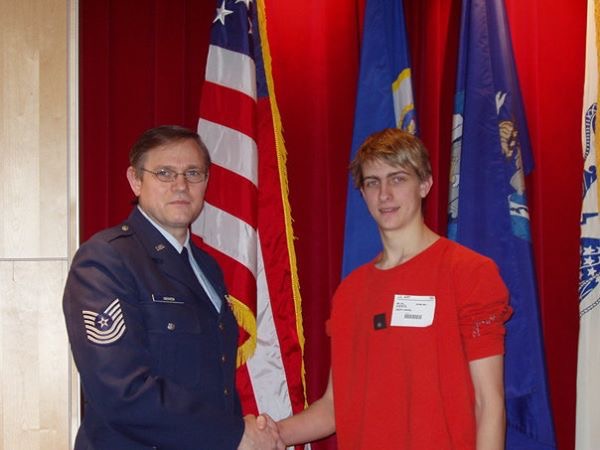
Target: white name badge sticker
pixel 413 310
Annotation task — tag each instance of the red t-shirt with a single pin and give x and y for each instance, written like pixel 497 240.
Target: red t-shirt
pixel 409 387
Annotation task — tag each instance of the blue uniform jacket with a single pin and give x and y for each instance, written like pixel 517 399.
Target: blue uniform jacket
pixel 156 359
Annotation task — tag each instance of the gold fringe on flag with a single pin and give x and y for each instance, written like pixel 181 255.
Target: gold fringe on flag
pixel 283 178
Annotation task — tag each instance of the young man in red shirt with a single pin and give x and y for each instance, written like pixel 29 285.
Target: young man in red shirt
pixel 417 334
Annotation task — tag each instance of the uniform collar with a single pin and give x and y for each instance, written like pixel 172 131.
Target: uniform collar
pixel 168 236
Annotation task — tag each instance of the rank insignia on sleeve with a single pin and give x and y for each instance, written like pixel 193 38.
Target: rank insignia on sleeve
pixel 105 327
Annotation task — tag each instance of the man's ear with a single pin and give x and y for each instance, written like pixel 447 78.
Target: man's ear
pixel 425 186
pixel 134 181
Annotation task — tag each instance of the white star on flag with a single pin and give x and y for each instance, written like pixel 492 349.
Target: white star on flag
pixel 221 13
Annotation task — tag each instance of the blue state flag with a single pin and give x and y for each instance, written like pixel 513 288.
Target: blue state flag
pixel 384 100
pixel 488 206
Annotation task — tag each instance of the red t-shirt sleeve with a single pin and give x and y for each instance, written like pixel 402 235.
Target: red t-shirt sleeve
pixel 483 306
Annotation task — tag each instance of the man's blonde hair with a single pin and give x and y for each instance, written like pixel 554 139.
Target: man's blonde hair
pixel 394 147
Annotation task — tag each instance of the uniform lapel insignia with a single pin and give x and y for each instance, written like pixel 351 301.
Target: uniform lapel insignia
pixel 159 247
pixel 105 327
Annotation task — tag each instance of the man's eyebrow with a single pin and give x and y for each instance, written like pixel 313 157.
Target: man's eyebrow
pixel 189 167
pixel 400 170
pixel 391 174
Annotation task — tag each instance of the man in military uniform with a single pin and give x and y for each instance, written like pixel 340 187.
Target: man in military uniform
pixel 151 332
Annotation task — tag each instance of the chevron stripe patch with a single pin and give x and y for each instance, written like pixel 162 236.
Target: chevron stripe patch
pixel 106 327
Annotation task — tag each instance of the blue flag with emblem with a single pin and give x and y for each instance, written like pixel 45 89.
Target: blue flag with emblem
pixel 488 207
pixel 384 100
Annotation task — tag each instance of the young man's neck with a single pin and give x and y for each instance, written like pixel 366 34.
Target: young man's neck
pixel 400 246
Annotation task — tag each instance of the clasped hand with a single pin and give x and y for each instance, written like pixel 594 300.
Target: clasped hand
pixel 260 433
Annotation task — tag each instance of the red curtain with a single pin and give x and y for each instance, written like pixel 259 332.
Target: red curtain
pixel 142 64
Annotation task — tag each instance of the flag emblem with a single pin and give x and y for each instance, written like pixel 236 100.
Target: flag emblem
pixel 105 327
pixel 589 270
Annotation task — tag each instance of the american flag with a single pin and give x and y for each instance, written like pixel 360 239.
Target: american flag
pixel 246 220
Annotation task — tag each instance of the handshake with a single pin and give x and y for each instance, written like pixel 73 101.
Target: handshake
pixel 261 433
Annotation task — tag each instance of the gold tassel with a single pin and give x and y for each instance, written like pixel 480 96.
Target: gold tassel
pixel 246 320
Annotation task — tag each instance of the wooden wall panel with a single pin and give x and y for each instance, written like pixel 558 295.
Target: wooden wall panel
pixel 38 224
pixel 34 356
pixel 33 116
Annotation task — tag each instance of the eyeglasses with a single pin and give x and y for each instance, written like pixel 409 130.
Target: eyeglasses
pixel 169 175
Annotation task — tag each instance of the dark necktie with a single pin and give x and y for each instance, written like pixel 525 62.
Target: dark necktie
pixel 185 256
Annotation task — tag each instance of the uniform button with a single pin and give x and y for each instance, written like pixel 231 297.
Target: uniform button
pixel 221 326
pixel 125 227
pixel 226 391
pixel 223 358
pixel 170 326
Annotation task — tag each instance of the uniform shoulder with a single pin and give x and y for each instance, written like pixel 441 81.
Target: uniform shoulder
pixel 124 229
pixel 110 238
